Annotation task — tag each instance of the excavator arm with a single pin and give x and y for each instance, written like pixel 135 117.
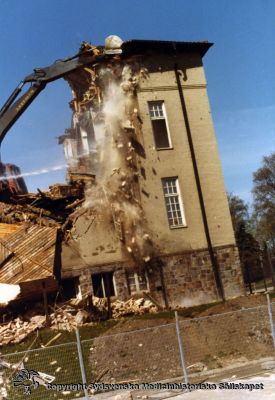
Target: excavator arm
pixel 12 113
pixel 13 109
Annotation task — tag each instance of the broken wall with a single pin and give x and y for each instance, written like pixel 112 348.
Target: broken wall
pixel 111 226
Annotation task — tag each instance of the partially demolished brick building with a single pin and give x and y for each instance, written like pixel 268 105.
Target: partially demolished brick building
pixel 155 217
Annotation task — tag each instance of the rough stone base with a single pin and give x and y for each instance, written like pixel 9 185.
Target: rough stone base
pixel 184 280
pixel 230 270
pixel 189 278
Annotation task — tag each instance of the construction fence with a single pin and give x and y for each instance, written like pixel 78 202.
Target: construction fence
pixel 175 352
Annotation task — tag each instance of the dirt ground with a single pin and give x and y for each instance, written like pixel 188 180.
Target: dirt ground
pixel 249 301
pixel 147 349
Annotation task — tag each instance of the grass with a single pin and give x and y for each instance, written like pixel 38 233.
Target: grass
pixel 46 334
pixel 211 361
pixel 190 312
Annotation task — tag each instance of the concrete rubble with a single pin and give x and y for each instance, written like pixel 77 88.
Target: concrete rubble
pixel 17 330
pixel 67 318
pixel 50 208
pixel 129 307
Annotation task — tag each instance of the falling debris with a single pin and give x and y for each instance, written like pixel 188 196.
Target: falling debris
pixel 105 112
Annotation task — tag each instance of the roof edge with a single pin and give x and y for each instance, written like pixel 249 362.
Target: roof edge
pixel 135 46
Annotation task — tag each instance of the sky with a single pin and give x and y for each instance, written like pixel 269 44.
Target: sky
pixel 239 70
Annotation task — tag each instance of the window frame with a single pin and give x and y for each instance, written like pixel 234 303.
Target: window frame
pixel 179 201
pixel 164 117
pixel 102 283
pixel 137 283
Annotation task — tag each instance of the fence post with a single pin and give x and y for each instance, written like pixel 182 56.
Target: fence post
pixel 269 306
pixel 180 343
pixel 81 363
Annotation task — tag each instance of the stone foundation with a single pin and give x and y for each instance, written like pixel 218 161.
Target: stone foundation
pixel 189 278
pixel 184 279
pixel 230 270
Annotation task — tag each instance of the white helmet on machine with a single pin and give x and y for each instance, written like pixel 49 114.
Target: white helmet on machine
pixel 113 45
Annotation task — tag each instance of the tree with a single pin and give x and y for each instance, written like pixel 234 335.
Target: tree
pixel 264 201
pixel 250 254
pixel 249 248
pixel 238 210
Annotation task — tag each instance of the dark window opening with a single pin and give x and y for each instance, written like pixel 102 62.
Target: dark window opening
pixel 103 284
pixel 159 124
pixel 160 133
pixel 70 288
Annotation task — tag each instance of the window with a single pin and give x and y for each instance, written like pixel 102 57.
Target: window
pixel 159 124
pixel 70 288
pixel 173 202
pixel 103 284
pixel 137 282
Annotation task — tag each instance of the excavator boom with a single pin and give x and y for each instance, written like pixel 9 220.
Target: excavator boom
pixel 13 109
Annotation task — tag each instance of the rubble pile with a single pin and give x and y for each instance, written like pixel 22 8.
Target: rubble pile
pixel 17 330
pixel 68 319
pixel 123 308
pixel 65 321
pixel 49 209
pixel 14 214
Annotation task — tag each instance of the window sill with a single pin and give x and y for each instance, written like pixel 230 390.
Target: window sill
pixel 140 291
pixel 177 226
pixel 165 148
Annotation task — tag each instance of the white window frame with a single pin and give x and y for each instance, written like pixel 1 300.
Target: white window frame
pixel 103 284
pixel 85 141
pixel 137 283
pixel 177 195
pixel 114 283
pixel 160 117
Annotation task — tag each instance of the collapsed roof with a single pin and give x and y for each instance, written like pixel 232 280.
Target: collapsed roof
pixel 27 254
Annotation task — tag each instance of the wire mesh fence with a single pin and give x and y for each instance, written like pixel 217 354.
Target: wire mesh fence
pixel 55 364
pixel 146 355
pixel 218 341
